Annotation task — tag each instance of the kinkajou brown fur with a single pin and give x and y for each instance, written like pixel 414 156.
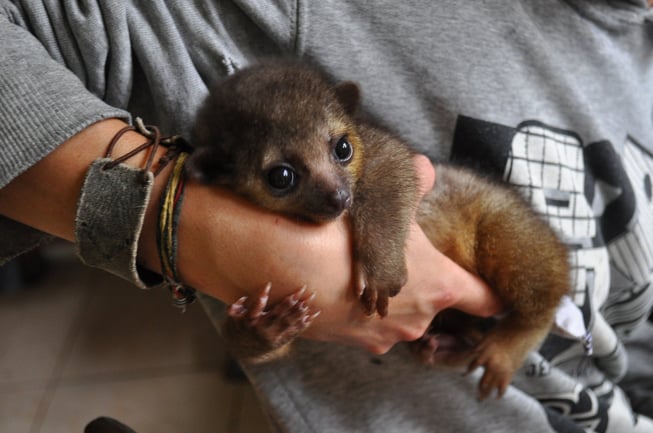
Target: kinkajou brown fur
pixel 282 136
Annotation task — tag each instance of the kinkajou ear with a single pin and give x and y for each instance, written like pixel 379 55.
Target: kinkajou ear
pixel 349 95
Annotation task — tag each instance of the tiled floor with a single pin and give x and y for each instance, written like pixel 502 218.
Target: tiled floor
pixel 83 344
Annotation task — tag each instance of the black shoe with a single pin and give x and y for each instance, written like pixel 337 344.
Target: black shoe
pixel 105 424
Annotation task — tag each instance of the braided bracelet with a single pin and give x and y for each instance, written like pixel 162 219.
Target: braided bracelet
pixel 166 239
pixel 171 200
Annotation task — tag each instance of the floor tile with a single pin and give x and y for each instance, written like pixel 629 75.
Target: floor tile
pixel 188 402
pixel 18 409
pixel 35 324
pixel 125 330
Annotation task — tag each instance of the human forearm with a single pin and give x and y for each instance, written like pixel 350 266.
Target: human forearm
pixel 46 195
pixel 220 236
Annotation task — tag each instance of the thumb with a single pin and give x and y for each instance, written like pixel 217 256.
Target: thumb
pixel 425 174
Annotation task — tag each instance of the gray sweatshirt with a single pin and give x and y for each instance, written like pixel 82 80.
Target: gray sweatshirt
pixel 554 96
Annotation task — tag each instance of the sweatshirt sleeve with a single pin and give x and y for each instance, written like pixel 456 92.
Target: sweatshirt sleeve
pixel 42 104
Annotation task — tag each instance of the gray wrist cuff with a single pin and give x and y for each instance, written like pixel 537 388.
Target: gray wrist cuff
pixel 110 217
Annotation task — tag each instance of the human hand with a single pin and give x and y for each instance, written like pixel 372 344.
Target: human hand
pixel 435 282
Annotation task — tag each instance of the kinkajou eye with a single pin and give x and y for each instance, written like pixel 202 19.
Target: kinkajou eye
pixel 282 178
pixel 343 150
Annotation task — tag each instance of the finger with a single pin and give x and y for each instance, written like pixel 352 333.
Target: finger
pixel 477 297
pixel 359 279
pixel 425 174
pixel 463 290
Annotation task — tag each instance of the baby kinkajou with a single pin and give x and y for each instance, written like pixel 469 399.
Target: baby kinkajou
pixel 281 136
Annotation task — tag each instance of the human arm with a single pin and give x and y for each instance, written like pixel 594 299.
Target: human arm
pixel 229 248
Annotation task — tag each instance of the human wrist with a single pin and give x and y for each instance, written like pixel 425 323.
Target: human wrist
pixel 229 248
pixel 116 196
